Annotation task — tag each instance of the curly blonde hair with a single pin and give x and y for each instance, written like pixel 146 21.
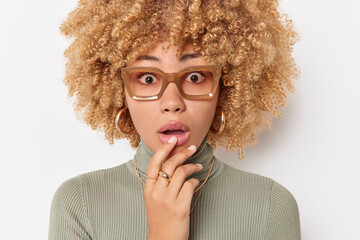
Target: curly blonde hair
pixel 249 39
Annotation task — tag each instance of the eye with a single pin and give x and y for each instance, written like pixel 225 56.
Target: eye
pixel 195 77
pixel 147 78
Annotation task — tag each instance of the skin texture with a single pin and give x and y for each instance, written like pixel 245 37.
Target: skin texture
pixel 149 116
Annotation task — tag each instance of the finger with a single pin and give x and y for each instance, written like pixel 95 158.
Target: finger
pixel 180 175
pixel 187 191
pixel 157 160
pixel 174 162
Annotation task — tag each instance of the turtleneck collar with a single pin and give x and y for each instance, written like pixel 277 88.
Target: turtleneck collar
pixel 203 155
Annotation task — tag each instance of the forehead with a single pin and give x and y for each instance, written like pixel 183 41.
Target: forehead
pixel 168 58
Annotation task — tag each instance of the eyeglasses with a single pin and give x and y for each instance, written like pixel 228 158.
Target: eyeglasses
pixel 149 83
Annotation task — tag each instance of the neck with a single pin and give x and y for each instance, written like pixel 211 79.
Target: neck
pixel 203 155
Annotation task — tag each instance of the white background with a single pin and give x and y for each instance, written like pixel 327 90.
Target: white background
pixel 312 150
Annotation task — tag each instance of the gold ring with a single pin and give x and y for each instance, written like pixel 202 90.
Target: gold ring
pixel 165 175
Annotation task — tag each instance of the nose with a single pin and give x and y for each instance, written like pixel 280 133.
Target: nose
pixel 171 100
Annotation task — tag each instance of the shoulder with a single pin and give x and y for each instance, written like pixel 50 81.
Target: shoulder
pixel 281 197
pixel 247 181
pixel 279 205
pixel 70 208
pixel 114 174
pixel 74 189
pixel 276 193
pixel 69 193
pixel 283 215
pixel 68 214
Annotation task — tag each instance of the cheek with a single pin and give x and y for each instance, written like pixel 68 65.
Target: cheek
pixel 142 114
pixel 203 115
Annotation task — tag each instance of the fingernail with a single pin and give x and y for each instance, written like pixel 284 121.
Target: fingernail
pixel 199 165
pixel 172 139
pixel 192 147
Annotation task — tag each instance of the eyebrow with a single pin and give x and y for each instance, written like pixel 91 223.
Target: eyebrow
pixel 185 57
pixel 189 56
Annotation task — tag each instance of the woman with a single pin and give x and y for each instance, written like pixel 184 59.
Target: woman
pixel 177 78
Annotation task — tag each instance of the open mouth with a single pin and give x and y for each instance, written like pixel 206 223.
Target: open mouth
pixel 178 129
pixel 173 132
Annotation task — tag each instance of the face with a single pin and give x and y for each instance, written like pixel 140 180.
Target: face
pixel 149 117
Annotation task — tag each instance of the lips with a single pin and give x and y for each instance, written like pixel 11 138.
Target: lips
pixel 174 126
pixel 178 129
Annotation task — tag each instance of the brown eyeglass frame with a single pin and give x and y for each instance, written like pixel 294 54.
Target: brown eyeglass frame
pixel 172 77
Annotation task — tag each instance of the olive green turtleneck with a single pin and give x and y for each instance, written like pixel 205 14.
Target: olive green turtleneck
pixel 234 204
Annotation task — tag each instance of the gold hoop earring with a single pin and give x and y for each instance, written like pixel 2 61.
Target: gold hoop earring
pixel 118 126
pixel 222 125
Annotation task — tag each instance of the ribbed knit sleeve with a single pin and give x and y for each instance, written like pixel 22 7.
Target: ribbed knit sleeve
pixel 283 221
pixel 68 216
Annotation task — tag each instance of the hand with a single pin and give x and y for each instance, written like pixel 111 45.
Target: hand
pixel 168 203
